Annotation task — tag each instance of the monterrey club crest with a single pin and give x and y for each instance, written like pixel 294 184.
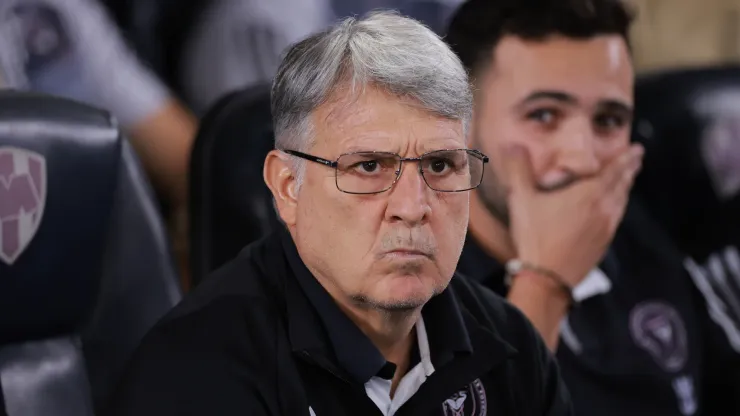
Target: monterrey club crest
pixel 22 199
pixel 658 328
pixel 470 401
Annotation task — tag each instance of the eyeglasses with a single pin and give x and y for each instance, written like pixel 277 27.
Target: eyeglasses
pixel 454 170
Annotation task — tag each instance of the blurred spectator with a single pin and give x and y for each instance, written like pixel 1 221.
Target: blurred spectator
pixel 720 146
pixel 238 43
pixel 71 48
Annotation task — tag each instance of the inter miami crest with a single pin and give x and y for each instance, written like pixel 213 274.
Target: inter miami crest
pixel 469 401
pixel 22 200
pixel 658 328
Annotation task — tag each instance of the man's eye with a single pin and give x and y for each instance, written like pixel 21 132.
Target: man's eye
pixel 543 115
pixel 610 121
pixel 374 165
pixel 439 165
pixel 367 166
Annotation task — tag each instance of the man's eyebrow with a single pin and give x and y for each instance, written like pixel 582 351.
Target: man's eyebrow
pixel 564 97
pixel 429 144
pixel 618 106
pixel 367 147
pixel 442 142
pixel 560 96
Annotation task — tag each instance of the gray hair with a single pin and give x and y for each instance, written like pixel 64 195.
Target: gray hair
pixel 383 49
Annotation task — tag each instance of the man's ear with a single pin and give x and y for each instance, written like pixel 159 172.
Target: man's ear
pixel 281 180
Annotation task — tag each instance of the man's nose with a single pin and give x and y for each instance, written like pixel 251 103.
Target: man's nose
pixel 408 200
pixel 575 150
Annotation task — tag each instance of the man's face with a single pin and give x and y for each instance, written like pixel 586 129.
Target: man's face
pixel 392 250
pixel 569 102
pixel 720 141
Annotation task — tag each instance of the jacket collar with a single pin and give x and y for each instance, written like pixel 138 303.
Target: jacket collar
pixel 317 326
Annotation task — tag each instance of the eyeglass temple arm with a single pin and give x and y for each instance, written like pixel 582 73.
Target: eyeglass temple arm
pixel 479 155
pixel 331 164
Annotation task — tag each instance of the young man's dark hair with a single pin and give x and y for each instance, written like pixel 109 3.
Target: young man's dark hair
pixel 479 25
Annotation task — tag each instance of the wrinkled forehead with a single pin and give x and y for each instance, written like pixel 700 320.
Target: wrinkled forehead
pixel 591 70
pixel 374 119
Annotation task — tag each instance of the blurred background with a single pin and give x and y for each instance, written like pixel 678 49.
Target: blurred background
pixel 684 33
pixel 154 122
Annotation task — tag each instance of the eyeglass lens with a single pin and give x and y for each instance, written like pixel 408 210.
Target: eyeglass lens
pixel 443 170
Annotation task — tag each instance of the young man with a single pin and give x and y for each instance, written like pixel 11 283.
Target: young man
pixel 553 109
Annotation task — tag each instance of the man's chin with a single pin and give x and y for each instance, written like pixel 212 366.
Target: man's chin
pixel 396 305
pixel 399 300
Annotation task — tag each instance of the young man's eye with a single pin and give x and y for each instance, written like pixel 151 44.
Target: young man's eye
pixel 543 115
pixel 610 121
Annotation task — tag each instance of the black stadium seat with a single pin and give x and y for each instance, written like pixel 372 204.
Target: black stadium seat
pixel 683 118
pixel 85 267
pixel 230 205
pixel 689 122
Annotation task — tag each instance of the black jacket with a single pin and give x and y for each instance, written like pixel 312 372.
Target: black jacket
pixel 648 347
pixel 250 341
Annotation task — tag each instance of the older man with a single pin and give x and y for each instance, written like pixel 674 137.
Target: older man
pixel 354 308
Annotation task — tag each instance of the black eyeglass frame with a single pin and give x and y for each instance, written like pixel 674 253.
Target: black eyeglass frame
pixel 335 164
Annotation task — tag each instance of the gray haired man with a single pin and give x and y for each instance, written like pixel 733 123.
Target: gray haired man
pixel 355 307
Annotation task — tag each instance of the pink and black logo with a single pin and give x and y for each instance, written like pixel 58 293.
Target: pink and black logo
pixel 22 198
pixel 470 401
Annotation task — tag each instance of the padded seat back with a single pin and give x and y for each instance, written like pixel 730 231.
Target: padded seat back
pixel 230 204
pixel 85 266
pixel 689 122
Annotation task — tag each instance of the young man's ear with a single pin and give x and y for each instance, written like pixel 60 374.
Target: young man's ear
pixel 280 178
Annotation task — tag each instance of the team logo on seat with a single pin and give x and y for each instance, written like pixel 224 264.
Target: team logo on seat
pixel 470 401
pixel 22 199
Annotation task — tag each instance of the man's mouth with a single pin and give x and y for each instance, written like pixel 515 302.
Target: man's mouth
pixel 406 253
